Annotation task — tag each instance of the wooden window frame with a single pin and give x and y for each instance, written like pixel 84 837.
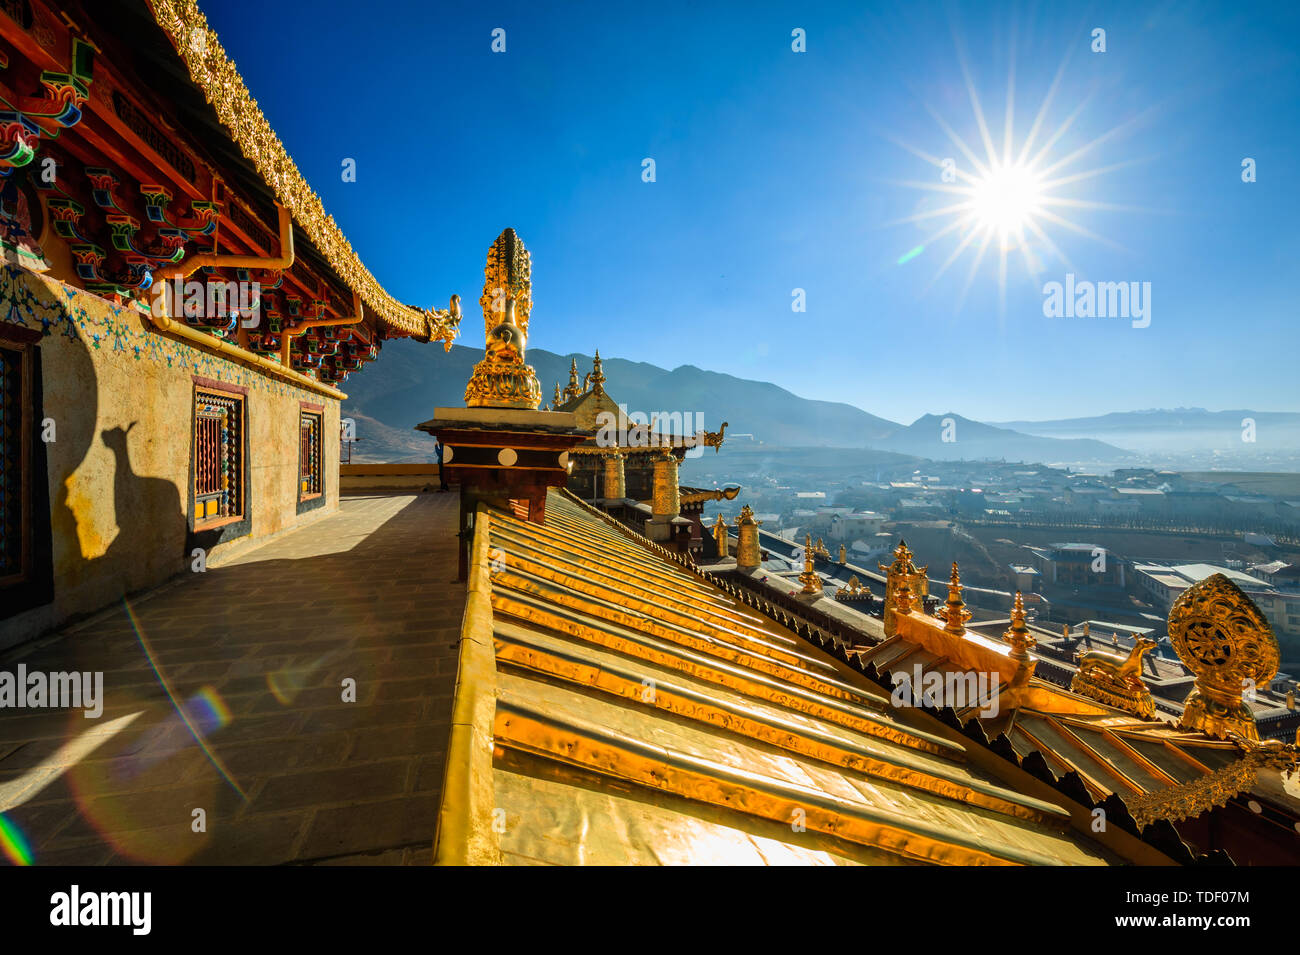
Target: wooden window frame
pixel 219 394
pixel 311 415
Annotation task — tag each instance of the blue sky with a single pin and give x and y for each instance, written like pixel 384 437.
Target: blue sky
pixel 778 170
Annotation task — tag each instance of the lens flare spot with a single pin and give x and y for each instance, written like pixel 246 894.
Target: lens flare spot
pixel 13 843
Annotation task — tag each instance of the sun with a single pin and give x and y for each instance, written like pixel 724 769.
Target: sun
pixel 1006 200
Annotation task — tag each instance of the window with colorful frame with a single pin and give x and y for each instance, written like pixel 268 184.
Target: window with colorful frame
pixel 310 433
pixel 218 457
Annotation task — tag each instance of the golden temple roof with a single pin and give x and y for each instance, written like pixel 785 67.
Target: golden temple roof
pixel 615 706
pixel 1159 770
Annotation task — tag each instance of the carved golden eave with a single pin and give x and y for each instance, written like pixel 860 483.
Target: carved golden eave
pixel 214 73
pixel 1219 633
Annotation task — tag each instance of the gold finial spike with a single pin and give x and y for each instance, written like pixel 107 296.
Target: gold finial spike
pixel 574 389
pixel 556 400
pixel 597 377
pixel 955 612
pixel 844 554
pixel 1019 635
pixel 812 582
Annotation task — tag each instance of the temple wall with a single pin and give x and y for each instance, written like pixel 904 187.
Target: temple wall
pixel 118 474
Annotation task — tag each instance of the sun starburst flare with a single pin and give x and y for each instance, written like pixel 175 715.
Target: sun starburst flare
pixel 1011 200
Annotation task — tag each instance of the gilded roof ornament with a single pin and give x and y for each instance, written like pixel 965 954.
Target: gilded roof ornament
pixel 1018 634
pixel 954 613
pixel 574 389
pixel 1221 636
pixel 1188 801
pixel 1116 679
pixel 594 379
pixel 507 277
pixel 903 599
pixel 811 580
pixel 714 439
pixel 901 571
pixel 503 379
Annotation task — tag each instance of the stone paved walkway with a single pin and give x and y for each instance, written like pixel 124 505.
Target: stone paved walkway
pixel 257 652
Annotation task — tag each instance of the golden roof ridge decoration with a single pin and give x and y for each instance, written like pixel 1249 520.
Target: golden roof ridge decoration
pixel 1213 790
pixel 216 75
pixel 1219 633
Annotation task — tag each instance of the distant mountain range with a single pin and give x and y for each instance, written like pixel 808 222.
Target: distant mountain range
pixel 1179 431
pixel 411 380
pixel 950 437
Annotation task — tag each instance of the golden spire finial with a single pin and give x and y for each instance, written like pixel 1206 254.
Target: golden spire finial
pixel 811 580
pixel 1018 634
pixel 844 554
pixel 596 380
pixel 574 389
pixel 955 613
pixel 556 399
pixel 502 379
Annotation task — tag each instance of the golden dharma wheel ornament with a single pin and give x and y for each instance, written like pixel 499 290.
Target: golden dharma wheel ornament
pixel 1219 633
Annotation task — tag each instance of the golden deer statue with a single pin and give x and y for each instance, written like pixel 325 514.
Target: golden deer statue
pixel 1116 666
